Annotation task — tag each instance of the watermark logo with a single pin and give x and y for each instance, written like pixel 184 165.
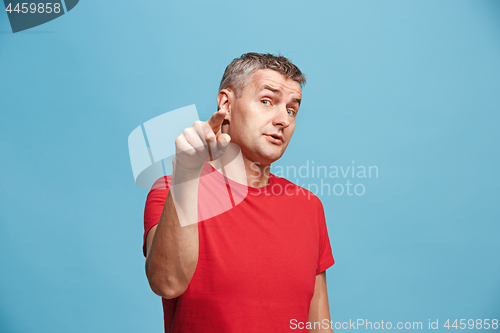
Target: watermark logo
pixel 151 145
pixel 152 150
pixel 25 15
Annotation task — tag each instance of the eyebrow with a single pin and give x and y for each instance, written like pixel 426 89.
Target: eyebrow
pixel 267 87
pixel 278 92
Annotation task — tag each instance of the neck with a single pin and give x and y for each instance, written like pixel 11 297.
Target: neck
pixel 257 173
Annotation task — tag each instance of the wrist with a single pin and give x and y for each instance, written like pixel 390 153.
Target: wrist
pixel 182 174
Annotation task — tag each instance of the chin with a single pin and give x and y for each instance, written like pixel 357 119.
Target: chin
pixel 263 153
pixel 270 157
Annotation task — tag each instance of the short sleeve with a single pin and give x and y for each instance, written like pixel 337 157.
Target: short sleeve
pixel 154 206
pixel 325 256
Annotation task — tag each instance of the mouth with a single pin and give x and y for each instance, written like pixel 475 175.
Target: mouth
pixel 275 138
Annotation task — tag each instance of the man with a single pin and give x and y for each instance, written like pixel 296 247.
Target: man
pixel 260 266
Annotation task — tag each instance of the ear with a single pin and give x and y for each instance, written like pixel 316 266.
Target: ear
pixel 225 99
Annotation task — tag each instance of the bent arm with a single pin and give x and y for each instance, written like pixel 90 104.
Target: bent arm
pixel 172 246
pixel 319 311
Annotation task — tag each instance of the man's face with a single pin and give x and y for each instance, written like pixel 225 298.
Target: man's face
pixel 262 120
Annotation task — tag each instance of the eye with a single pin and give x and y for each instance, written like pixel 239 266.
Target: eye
pixel 290 112
pixel 265 102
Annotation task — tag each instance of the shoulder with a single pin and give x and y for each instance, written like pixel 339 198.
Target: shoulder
pixel 159 190
pixel 162 183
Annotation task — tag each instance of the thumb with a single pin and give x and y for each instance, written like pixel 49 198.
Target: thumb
pixel 223 140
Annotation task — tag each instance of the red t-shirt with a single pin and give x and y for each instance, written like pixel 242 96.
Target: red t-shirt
pixel 257 262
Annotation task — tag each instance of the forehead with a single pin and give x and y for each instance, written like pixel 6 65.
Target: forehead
pixel 269 77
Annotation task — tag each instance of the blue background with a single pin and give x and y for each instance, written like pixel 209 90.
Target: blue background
pixel 409 86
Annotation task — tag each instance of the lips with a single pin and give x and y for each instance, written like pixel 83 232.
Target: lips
pixel 275 137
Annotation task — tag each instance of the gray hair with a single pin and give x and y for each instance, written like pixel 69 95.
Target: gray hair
pixel 240 69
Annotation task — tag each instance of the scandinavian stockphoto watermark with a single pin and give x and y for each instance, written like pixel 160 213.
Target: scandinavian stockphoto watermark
pixel 31 13
pixel 324 180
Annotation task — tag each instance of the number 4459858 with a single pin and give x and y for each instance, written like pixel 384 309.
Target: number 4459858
pixel 471 323
pixel 35 8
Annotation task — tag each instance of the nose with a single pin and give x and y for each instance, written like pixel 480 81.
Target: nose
pixel 281 118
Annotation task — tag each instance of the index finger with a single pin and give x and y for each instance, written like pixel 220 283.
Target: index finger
pixel 216 120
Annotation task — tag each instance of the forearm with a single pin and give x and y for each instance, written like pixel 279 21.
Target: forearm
pixel 320 321
pixel 173 254
pixel 319 311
